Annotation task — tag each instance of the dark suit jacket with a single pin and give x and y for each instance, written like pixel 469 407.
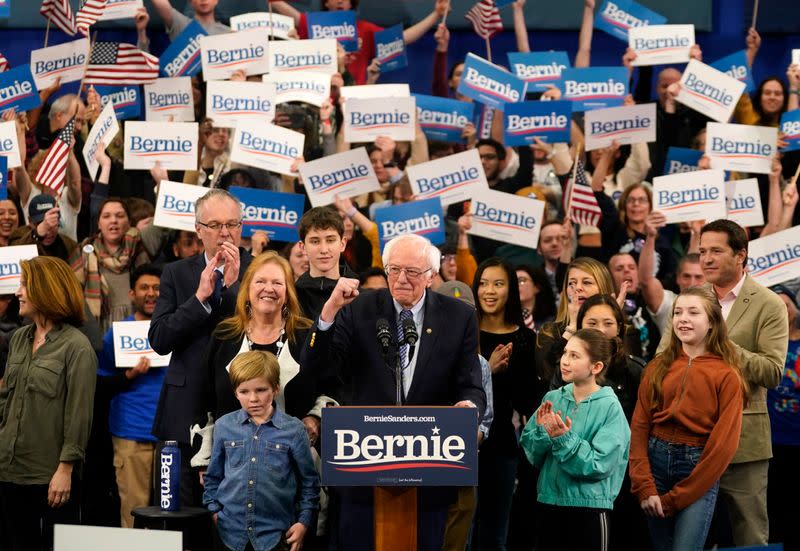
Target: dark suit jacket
pixel 182 326
pixel 447 368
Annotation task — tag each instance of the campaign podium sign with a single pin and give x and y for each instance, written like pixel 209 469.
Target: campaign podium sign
pixel 399 446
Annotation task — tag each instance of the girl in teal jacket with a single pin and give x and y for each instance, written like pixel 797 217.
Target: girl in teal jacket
pixel 580 444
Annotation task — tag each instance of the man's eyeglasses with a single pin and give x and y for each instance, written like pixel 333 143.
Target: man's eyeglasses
pixel 217 226
pixel 411 273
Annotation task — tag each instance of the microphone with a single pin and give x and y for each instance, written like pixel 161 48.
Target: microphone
pixel 410 336
pixel 384 334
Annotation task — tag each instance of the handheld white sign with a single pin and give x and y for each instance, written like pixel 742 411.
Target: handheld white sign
pixel 173 145
pixel 744 202
pixel 175 205
pixel 690 196
pixel 224 54
pixel 507 217
pixel 103 130
pixel 626 125
pixel 796 57
pixel 303 55
pixel 308 87
pixel 278 25
pixel 131 345
pixel 169 99
pixel 9 147
pixel 660 44
pixel 346 174
pixel 267 146
pixel 453 178
pixel 741 147
pixel 10 271
pixel 65 61
pixel 228 103
pixel 708 91
pixel 376 91
pixel 120 9
pixel 366 119
pixel 774 259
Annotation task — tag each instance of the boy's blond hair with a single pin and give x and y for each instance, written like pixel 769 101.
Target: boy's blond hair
pixel 255 364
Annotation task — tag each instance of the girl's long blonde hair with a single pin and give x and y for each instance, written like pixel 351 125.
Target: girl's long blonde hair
pixel 717 344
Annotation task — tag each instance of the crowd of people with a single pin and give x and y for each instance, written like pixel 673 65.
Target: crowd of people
pixel 635 387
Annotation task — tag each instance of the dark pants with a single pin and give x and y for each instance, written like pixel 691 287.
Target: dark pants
pixel 782 496
pixel 282 546
pixel 27 521
pixel 572 529
pixel 496 476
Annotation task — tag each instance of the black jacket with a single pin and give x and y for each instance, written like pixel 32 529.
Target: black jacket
pixel 313 292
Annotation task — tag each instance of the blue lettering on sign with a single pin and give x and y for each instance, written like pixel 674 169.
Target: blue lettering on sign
pixel 722 147
pixel 140 145
pixel 50 66
pixel 673 200
pixel 760 265
pixel 741 203
pixel 107 124
pixel 224 58
pixel 225 104
pixel 600 128
pixel 174 205
pixel 9 269
pixel 332 181
pixel 664 42
pixel 512 220
pixel 138 344
pixel 719 96
pixel 431 187
pixel 371 120
pixel 302 61
pixel 256 144
pixel 164 101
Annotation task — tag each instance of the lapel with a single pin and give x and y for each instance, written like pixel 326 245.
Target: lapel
pixel 431 328
pixel 197 264
pixel 749 289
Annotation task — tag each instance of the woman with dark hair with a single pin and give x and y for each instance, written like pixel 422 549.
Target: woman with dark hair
pixel 536 296
pixel 103 263
pixel 46 401
pixel 297 257
pixel 509 348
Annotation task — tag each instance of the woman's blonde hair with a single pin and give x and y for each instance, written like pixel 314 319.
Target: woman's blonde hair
pixel 53 289
pixel 594 268
pixel 717 344
pixel 235 326
pixel 253 365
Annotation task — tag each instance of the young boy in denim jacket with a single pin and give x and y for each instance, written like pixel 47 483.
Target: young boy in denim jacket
pixel 259 457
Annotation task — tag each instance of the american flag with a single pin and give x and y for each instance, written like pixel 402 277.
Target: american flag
pixel 116 63
pixel 90 12
pixel 60 13
pixel 54 167
pixel 485 18
pixel 3 63
pixel 579 200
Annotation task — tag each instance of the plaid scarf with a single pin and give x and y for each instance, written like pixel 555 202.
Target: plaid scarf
pixel 87 259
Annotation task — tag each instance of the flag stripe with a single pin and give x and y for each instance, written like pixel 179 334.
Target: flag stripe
pixel 119 63
pixel 485 18
pixel 580 201
pixel 54 166
pixel 88 15
pixel 60 13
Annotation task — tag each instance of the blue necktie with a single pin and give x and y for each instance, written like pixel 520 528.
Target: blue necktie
pixel 216 296
pixel 403 350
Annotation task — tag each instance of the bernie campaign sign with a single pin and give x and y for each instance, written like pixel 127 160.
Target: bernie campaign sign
pixel 490 84
pixel 278 214
pixel 340 25
pixel 126 100
pixel 736 66
pixel 681 159
pixel 539 69
pixel 18 90
pixel 549 121
pixel 425 218
pixel 443 119
pixel 391 49
pixel 594 87
pixel 182 57
pixel 618 16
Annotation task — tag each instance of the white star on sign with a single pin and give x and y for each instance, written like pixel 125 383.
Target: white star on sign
pixel 435 430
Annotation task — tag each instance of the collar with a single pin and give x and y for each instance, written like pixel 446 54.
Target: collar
pixel 207 260
pixel 53 334
pixel 416 310
pixel 736 291
pixel 277 418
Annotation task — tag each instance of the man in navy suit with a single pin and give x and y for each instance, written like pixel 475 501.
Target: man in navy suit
pixel 444 370
pixel 196 293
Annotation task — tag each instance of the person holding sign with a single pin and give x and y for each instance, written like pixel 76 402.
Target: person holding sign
pixel 684 426
pixel 46 399
pixel 770 99
pixel 9 221
pixel 42 229
pixel 579 441
pixel 134 395
pixel 357 63
pixel 175 22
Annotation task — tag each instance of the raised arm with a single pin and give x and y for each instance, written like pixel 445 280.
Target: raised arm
pixel 793 76
pixel 418 30
pixel 284 8
pixel 520 27
pixel 164 10
pixel 652 289
pixel 753 42
pixel 583 57
pixel 774 200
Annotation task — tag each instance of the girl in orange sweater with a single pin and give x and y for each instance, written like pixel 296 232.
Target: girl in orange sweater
pixel 685 428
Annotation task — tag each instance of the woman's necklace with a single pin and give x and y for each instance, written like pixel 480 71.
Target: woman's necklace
pixel 278 343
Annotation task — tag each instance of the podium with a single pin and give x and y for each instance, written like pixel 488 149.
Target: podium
pixel 396 450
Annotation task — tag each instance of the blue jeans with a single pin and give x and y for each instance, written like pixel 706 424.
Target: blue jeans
pixel 687 529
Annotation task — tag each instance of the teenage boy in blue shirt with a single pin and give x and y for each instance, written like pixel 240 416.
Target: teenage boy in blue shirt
pixel 259 458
